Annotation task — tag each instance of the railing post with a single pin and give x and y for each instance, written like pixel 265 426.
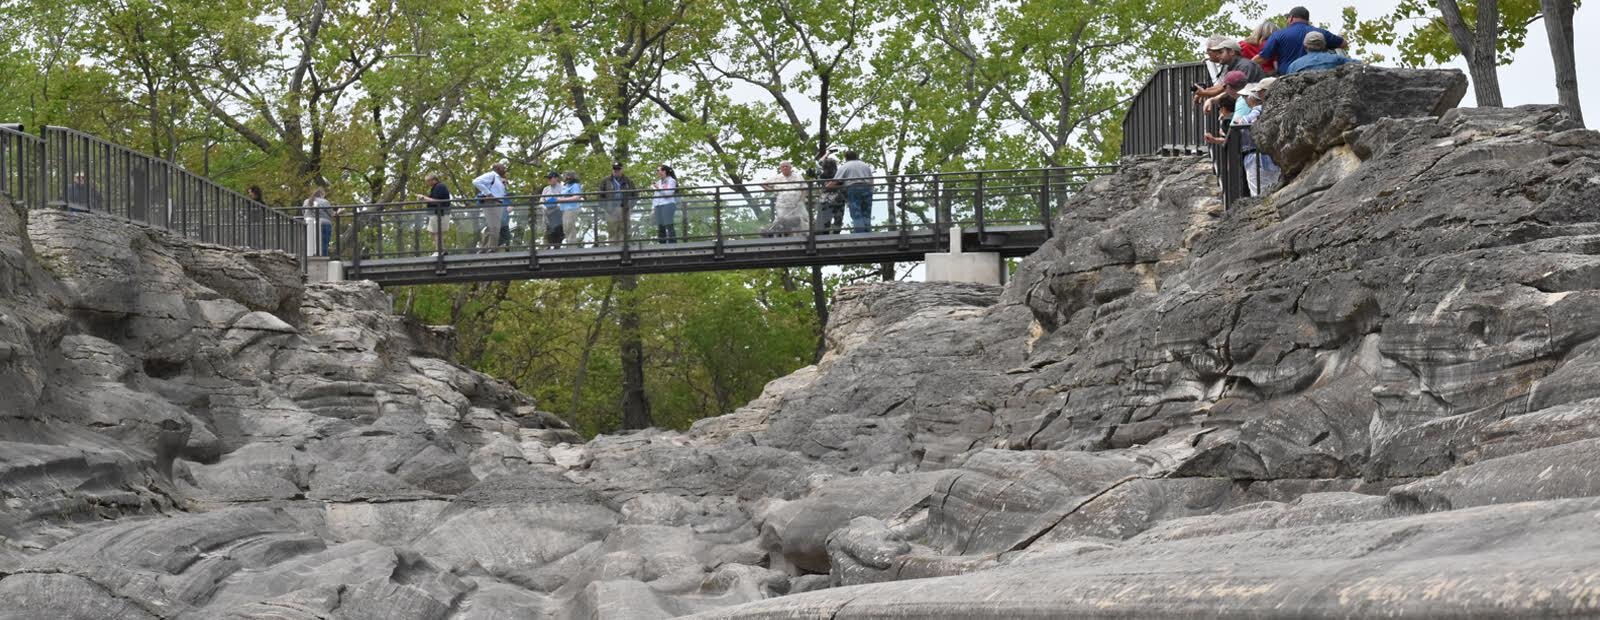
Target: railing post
pixel 977 206
pixel 716 211
pixel 905 199
pixel 533 233
pixel 627 229
pixel 1044 203
pixel 434 216
pixel 40 191
pixel 811 218
pixel 941 215
pixel 359 249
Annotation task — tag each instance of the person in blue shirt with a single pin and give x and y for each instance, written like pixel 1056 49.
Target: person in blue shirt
pixel 571 204
pixel 1288 44
pixel 1317 57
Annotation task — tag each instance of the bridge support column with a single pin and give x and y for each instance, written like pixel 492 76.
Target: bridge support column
pixel 958 266
pixel 334 272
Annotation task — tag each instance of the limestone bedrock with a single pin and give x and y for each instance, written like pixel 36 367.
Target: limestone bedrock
pixel 1372 392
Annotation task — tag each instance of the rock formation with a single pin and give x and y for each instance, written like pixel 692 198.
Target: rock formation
pixel 1369 393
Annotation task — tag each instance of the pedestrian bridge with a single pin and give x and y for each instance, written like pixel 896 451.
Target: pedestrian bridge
pixel 1005 212
pixel 1008 213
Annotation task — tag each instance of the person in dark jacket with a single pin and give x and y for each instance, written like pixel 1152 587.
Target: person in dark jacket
pixel 617 196
pixel 438 199
pixel 830 197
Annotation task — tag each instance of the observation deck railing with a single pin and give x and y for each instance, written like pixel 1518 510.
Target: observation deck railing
pixel 1164 120
pixel 65 168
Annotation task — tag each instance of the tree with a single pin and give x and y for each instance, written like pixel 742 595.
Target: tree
pixel 1476 42
pixel 1558 27
pixel 1441 30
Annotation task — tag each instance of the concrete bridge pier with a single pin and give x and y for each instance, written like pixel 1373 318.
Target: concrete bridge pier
pixel 958 266
pixel 324 269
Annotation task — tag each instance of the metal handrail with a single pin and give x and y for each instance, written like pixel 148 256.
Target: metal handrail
pixel 987 202
pixel 70 169
pixel 21 161
pixel 1161 120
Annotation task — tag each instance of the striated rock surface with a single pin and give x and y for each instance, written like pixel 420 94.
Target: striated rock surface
pixel 1371 393
pixel 1312 110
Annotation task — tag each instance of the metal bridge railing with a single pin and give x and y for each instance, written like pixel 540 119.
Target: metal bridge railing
pixel 21 165
pixel 1164 120
pixel 988 202
pixel 69 169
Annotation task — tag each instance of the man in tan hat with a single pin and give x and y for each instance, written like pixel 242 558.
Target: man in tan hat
pixel 1223 52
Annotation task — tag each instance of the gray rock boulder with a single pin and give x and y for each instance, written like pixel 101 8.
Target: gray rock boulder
pixel 1310 112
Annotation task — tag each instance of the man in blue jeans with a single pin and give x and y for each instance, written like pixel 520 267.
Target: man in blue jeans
pixel 857 178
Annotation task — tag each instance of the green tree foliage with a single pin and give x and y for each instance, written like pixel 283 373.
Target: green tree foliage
pixel 712 340
pixel 364 96
pixel 1485 33
pixel 1418 33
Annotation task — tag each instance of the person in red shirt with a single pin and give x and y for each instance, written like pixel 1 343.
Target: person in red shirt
pixel 1252 44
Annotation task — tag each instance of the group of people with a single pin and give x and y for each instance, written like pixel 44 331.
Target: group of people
pixel 839 187
pixel 1244 73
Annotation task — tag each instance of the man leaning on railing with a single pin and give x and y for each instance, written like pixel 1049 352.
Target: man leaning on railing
pixel 830 197
pixel 491 193
pixel 1223 51
pixel 857 178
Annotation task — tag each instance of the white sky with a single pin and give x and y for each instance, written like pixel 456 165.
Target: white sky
pixel 1530 78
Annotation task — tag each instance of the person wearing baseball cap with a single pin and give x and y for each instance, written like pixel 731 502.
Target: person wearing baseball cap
pixel 617 193
pixel 1288 44
pixel 1317 56
pixel 1222 51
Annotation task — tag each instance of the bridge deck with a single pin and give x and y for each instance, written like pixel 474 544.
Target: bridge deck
pixel 842 249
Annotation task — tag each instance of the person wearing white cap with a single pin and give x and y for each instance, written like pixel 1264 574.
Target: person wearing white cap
pixel 1260 172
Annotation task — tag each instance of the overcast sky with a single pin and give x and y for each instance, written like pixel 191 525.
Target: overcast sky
pixel 1529 79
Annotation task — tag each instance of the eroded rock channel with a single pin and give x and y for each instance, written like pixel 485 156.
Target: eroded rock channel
pixel 1373 392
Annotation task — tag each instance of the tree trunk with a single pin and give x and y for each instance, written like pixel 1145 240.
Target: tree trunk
pixel 824 102
pixel 1558 26
pixel 819 298
pixel 1478 45
pixel 635 403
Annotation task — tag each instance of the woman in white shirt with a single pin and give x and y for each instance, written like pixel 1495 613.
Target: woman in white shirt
pixel 664 203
